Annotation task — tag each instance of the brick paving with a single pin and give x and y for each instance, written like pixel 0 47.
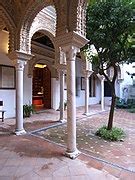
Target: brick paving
pixel 30 157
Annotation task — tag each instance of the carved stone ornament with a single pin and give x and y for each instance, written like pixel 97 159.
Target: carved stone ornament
pixel 81 17
pixel 6 21
pixel 19 59
pixel 30 15
pixel 72 39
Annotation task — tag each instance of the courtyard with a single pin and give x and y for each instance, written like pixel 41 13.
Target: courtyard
pixel 40 153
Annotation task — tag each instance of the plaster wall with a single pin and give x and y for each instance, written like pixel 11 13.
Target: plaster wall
pixel 6 95
pixel 127 78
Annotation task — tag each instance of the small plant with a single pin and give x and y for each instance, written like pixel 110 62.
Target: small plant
pixel 115 134
pixel 27 110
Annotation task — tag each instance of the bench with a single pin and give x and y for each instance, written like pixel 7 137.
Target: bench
pixel 2 117
pixel 2 111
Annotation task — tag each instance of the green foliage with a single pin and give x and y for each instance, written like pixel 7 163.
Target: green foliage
pixel 129 104
pixel 132 110
pixel 109 26
pixel 115 134
pixel 28 110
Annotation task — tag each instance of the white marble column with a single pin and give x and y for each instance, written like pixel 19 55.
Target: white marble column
pixel 19 97
pixel 62 96
pixel 102 94
pixel 70 43
pixel 72 151
pixel 87 75
pixel 19 59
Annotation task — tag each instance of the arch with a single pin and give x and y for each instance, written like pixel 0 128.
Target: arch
pixel 10 25
pixel 26 23
pixel 45 31
pixel 57 51
pixel 33 62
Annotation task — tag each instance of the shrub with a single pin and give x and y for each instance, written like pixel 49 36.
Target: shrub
pixel 115 134
pixel 132 110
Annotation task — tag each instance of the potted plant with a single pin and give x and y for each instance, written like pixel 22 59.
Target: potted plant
pixel 28 109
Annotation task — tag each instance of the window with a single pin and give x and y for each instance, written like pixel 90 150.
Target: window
pixel 92 86
pixel 7 77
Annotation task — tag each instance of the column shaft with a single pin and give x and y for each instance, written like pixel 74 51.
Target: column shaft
pixel 86 94
pixel 71 106
pixel 61 96
pixel 102 94
pixel 19 98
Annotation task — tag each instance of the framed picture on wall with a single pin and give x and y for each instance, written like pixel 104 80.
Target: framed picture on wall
pixel 7 77
pixel 82 83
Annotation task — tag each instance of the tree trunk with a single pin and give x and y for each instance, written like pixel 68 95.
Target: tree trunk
pixel 110 122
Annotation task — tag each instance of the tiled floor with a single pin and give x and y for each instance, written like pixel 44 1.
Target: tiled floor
pixel 29 157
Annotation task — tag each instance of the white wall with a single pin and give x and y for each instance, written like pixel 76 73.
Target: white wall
pixel 55 93
pixel 127 78
pixel 7 95
pixel 27 88
pixel 80 100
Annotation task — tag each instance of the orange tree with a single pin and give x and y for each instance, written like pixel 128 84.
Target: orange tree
pixel 109 27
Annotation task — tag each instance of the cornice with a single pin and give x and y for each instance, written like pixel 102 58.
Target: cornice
pixel 18 55
pixel 71 39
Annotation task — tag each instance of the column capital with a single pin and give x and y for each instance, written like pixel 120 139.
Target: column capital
pixel 70 52
pixel 60 67
pixel 87 73
pixel 71 39
pixel 101 77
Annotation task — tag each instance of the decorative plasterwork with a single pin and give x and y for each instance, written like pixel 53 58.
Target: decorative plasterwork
pixel 81 17
pixel 9 7
pixel 19 56
pixel 45 23
pixel 6 21
pixel 25 26
pixel 71 38
pixel 72 17
pixel 2 24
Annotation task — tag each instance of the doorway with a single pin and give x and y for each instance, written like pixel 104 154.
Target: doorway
pixel 41 90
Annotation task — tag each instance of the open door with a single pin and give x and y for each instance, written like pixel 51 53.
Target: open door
pixel 47 87
pixel 41 87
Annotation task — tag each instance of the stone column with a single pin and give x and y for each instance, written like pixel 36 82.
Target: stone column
pixel 72 151
pixel 19 60
pixel 102 94
pixel 19 97
pixel 87 75
pixel 71 42
pixel 62 96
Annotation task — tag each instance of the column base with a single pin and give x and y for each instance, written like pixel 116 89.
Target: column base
pixel 20 132
pixel 72 155
pixel 86 114
pixel 62 120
